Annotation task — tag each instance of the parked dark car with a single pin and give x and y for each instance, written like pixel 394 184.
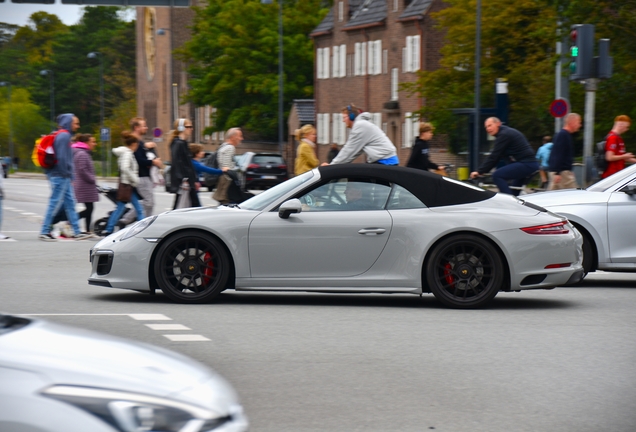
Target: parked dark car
pixel 262 170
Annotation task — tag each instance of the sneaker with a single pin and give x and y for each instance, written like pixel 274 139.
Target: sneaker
pixel 47 237
pixel 81 236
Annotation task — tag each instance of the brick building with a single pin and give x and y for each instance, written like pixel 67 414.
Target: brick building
pixel 364 50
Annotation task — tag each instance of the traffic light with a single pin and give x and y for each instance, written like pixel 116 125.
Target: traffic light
pixel 582 52
pixel 604 61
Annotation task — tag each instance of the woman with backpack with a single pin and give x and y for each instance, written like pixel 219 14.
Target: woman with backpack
pixel 182 174
pixel 128 180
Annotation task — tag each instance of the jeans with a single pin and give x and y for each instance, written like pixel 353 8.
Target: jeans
pixel 61 195
pixel 516 171
pixel 114 216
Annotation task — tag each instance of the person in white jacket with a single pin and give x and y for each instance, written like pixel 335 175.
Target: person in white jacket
pixel 128 174
pixel 364 137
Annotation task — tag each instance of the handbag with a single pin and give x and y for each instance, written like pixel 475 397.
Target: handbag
pixel 184 201
pixel 124 192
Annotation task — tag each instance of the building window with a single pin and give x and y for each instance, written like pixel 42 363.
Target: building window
pixel 385 61
pixel 322 63
pixel 395 5
pixel 411 128
pixel 323 125
pixel 340 11
pixel 377 119
pixel 375 57
pixel 335 72
pixel 360 59
pixel 394 84
pixel 411 54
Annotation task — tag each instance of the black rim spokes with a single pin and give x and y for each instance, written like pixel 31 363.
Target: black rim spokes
pixel 191 266
pixel 465 271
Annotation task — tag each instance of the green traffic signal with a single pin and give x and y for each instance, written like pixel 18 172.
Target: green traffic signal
pixel 574 51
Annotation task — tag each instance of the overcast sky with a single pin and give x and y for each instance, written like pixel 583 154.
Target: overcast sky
pixel 16 13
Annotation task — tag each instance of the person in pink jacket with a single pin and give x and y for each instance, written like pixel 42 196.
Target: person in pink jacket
pixel 84 183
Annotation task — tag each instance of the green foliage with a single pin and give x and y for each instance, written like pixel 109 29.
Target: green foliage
pixel 24 123
pixel 518 44
pixel 233 60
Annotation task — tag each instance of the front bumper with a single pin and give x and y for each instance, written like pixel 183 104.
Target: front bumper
pixel 122 264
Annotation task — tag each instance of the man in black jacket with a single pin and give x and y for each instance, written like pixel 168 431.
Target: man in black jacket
pixel 511 145
pixel 419 155
pixel 562 155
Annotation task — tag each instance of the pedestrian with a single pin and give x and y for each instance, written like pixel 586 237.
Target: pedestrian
pixel 225 159
pixel 615 153
pixel 562 155
pixel 60 177
pixel 84 185
pixel 147 159
pixel 333 152
pixel 197 153
pixel 182 174
pixel 2 236
pixel 519 157
pixel 543 155
pixel 306 159
pixel 128 175
pixel 420 154
pixel 365 137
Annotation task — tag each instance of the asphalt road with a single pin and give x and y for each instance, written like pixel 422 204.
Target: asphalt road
pixel 558 360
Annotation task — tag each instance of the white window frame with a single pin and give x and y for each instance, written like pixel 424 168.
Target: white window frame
pixel 360 59
pixel 343 61
pixel 340 11
pixel 335 72
pixel 395 81
pixel 411 54
pixel 410 129
pixel 385 61
pixel 377 119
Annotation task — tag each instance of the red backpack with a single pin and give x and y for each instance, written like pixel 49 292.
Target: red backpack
pixel 44 151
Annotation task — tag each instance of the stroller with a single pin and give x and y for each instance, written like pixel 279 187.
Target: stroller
pixel 100 224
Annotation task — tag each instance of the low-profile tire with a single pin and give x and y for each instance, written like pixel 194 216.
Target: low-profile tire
pixel 465 271
pixel 191 267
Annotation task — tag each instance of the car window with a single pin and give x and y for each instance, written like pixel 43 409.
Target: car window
pixel 402 199
pixel 346 194
pixel 267 160
pixel 263 199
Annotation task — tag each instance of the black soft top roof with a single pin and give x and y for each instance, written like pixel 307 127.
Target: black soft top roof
pixel 430 188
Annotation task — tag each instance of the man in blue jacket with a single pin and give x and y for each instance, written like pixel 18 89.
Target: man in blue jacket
pixel 60 177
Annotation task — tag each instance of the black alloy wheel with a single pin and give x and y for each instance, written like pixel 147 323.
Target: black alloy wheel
pixel 191 268
pixel 465 271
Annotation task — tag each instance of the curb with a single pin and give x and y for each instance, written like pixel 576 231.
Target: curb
pixel 42 176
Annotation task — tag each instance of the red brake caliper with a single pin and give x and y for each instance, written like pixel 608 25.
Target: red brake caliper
pixel 209 267
pixel 448 275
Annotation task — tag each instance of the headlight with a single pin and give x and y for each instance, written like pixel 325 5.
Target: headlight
pixel 138 227
pixel 131 412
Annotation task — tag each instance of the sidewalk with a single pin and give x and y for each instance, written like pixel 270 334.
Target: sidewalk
pixel 42 176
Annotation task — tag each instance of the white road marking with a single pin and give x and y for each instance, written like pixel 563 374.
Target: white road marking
pixel 168 327
pixel 150 317
pixel 29 214
pixel 186 338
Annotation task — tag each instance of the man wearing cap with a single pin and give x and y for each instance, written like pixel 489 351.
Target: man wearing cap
pixel 615 154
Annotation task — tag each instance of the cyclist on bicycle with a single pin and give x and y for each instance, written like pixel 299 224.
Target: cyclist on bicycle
pixel 510 144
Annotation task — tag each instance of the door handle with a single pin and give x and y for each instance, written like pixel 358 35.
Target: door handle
pixel 372 231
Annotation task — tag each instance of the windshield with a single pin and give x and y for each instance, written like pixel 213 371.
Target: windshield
pixel 620 178
pixel 262 200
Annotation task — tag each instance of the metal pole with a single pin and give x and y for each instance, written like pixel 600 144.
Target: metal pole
pixel 588 131
pixel 10 128
pixel 280 76
pixel 475 153
pixel 52 98
pixel 171 85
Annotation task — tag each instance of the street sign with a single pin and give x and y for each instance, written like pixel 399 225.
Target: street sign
pixel 157 140
pixel 559 108
pixel 104 134
pixel 156 132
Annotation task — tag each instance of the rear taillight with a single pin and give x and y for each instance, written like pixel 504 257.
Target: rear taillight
pixel 253 166
pixel 560 265
pixel 555 228
pixel 282 167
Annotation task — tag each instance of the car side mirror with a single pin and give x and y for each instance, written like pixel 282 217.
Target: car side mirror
pixel 289 207
pixel 630 189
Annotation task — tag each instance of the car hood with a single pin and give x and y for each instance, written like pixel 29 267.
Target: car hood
pixel 66 355
pixel 566 198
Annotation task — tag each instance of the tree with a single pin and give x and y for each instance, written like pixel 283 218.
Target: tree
pixel 233 60
pixel 26 123
pixel 518 44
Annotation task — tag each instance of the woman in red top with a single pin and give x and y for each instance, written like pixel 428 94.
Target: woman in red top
pixel 615 147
